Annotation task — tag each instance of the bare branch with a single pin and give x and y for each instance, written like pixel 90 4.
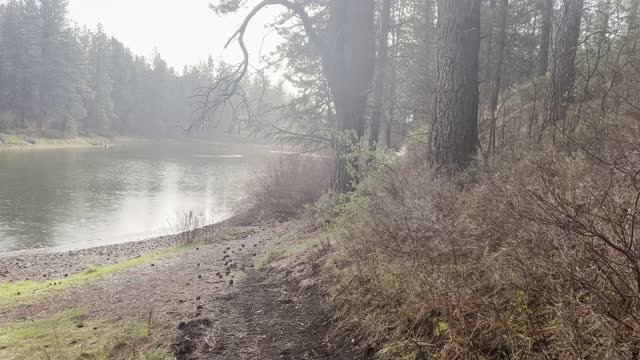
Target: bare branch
pixel 226 88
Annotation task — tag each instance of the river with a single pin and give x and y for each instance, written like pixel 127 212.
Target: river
pixel 67 199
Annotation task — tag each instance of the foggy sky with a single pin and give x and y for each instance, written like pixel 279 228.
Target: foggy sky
pixel 184 31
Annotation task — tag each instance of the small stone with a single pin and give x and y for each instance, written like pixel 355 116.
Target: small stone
pixel 230 282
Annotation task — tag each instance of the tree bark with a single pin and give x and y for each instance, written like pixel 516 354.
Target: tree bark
pixel 454 133
pixel 497 80
pixel 564 68
pixel 633 16
pixel 381 73
pixel 545 37
pixel 348 66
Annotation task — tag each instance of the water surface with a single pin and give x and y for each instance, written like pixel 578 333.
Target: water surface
pixel 78 198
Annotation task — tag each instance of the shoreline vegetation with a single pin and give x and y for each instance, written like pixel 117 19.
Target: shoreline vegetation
pixel 38 142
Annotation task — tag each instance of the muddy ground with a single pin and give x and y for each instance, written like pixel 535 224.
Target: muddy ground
pixel 205 303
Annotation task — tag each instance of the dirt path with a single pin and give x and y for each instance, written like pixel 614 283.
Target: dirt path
pixel 212 301
pixel 267 317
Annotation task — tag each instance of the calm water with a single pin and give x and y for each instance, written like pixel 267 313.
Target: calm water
pixel 77 198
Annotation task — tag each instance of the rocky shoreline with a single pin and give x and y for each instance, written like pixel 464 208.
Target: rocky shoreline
pixel 43 266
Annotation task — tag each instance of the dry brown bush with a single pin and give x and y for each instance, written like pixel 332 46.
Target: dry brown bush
pixel 286 185
pixel 533 255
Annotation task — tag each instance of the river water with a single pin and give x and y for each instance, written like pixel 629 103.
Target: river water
pixel 67 199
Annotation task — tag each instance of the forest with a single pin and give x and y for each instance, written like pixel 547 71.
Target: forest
pixel 463 179
pixel 61 80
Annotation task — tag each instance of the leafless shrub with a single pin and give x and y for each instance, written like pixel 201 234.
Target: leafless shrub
pixel 188 228
pixel 286 186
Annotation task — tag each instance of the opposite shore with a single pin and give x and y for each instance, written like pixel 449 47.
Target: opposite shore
pixel 24 141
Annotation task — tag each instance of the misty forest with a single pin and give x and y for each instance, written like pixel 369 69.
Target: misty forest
pixel 394 179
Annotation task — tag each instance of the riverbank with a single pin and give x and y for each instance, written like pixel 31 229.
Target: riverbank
pixel 219 295
pixel 19 141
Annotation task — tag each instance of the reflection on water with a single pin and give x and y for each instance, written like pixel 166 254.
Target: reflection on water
pixel 74 198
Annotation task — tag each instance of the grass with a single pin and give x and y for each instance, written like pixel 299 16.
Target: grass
pixel 73 335
pixel 272 255
pixel 25 292
pixel 288 245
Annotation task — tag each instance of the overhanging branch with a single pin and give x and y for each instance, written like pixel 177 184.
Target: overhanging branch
pixel 222 91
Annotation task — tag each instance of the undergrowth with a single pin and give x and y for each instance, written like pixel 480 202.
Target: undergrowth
pixel 532 254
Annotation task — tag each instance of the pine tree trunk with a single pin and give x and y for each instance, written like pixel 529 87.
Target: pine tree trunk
pixel 381 73
pixel 633 16
pixel 454 133
pixel 564 69
pixel 545 37
pixel 497 80
pixel 348 67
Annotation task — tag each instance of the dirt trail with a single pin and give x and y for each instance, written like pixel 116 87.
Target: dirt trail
pixel 265 318
pixel 213 302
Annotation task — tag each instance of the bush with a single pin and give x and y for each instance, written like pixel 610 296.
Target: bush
pixel 285 187
pixel 534 255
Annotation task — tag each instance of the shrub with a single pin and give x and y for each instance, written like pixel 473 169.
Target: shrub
pixel 285 187
pixel 534 255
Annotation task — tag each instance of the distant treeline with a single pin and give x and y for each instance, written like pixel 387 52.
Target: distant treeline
pixel 62 79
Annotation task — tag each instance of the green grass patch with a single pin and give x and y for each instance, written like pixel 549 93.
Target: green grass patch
pixel 290 244
pixel 272 255
pixel 10 139
pixel 25 292
pixel 72 335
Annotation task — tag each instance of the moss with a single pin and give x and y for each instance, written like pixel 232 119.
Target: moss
pixel 25 292
pixel 73 335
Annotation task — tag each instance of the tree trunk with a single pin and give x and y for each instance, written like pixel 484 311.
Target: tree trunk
pixel 454 133
pixel 381 73
pixel 564 68
pixel 487 55
pixel 633 16
pixel 545 37
pixel 348 67
pixel 497 80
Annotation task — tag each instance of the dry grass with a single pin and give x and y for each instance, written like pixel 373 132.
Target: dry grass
pixel 534 255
